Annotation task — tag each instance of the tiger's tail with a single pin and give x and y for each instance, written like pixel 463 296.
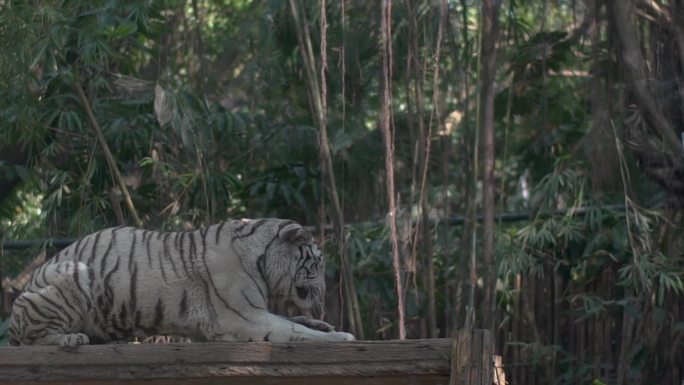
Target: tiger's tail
pixel 12 331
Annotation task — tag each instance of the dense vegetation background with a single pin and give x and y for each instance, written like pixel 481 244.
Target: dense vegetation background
pixel 533 148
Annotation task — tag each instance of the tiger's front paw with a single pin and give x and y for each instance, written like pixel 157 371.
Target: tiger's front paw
pixel 73 340
pixel 341 336
pixel 313 323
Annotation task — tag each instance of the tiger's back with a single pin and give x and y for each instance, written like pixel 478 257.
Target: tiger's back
pixel 118 283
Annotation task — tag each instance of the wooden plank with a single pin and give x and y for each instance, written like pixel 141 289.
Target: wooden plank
pixel 339 380
pixel 486 357
pixel 459 357
pixel 363 362
pixel 499 373
pixel 472 358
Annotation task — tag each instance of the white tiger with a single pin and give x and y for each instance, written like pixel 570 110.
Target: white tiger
pixel 213 284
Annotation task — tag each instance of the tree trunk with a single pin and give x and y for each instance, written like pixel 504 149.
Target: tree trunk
pixel 490 31
pixel 636 76
pixel 600 146
pixel 470 149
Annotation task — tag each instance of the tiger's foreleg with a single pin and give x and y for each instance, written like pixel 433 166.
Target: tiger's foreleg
pixel 312 323
pixel 265 326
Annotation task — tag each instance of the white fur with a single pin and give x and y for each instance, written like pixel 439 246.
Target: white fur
pixel 213 284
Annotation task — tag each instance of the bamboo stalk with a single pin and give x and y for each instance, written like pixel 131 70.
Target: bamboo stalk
pixel 422 156
pixel 108 154
pixel 318 97
pixel 352 297
pixel 388 135
pixel 427 239
pixel 415 67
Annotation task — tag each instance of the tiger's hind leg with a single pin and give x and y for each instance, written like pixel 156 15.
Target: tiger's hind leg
pixel 51 311
pixel 35 322
pixel 71 340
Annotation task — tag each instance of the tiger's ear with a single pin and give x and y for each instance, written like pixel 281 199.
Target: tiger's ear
pixel 295 234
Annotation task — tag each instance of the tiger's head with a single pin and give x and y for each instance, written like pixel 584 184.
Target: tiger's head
pixel 294 269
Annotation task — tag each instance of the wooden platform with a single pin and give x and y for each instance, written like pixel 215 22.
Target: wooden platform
pixel 356 363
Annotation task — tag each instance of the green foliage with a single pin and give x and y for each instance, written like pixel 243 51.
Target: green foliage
pixel 205 107
pixel 577 248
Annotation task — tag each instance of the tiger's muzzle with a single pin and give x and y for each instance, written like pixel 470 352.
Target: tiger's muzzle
pixel 309 300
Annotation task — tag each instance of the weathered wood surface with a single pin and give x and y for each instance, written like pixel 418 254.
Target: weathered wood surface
pixel 359 362
pixel 499 373
pixel 472 362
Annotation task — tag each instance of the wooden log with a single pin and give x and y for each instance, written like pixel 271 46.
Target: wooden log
pixel 471 358
pixel 302 363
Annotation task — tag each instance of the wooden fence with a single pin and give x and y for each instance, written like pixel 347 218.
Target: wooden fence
pixel 549 335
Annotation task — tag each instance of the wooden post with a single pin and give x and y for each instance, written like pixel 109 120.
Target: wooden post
pixel 499 374
pixel 471 357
